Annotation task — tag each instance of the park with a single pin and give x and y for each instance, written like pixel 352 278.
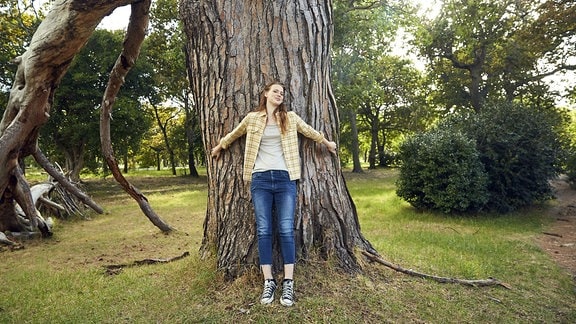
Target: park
pixel 442 220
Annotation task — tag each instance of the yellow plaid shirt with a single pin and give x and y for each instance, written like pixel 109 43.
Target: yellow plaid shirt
pixel 253 127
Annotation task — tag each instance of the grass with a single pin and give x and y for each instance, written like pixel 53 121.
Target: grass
pixel 61 280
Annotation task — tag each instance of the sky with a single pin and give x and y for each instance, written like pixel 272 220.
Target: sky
pixel 117 20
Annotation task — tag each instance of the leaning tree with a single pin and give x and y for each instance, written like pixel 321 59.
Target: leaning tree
pixel 60 36
pixel 235 48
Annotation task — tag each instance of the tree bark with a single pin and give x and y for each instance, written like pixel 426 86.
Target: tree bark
pixel 57 40
pixel 236 47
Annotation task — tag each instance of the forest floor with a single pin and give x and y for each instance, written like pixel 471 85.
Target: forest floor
pixel 559 239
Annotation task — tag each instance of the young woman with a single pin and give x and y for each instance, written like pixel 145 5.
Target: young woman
pixel 272 166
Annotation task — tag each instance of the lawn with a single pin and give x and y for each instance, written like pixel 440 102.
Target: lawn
pixel 63 279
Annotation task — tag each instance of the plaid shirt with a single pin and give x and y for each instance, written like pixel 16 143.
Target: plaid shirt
pixel 253 127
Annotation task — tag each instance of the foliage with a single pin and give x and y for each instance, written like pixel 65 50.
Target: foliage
pixel 385 92
pixel 164 49
pixel 518 148
pixel 521 149
pixel 18 21
pixel 441 170
pixel 71 136
pixel 483 51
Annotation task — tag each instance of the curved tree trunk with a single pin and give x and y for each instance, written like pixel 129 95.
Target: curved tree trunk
pixel 57 40
pixel 132 42
pixel 236 47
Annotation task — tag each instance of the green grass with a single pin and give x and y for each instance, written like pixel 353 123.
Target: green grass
pixel 62 280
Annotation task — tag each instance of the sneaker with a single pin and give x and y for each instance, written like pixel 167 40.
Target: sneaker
pixel 287 298
pixel 268 293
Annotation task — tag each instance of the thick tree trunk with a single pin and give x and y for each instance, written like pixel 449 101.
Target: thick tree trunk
pixel 236 47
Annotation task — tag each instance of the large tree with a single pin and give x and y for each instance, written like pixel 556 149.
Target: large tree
pixel 486 49
pixel 235 48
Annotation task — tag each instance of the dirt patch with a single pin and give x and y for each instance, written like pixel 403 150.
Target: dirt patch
pixel 559 239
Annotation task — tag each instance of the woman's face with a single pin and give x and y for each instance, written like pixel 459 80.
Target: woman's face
pixel 275 95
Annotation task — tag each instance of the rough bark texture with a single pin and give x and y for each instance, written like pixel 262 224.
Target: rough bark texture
pixel 236 47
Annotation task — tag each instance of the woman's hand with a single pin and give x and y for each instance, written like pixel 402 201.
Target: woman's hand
pixel 330 145
pixel 216 151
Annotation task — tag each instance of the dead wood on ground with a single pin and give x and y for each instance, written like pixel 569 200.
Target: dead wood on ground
pixel 114 269
pixel 467 282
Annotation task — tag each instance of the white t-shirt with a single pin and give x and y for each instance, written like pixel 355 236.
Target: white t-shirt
pixel 270 155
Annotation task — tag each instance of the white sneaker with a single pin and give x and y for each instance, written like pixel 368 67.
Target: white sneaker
pixel 287 298
pixel 268 293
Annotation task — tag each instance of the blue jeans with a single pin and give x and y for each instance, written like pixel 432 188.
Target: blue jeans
pixel 274 191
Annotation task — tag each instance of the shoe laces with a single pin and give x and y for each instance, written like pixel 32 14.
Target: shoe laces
pixel 269 287
pixel 288 289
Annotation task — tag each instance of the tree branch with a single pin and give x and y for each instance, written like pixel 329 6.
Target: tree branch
pixel 474 283
pixel 132 42
pixel 69 186
pixel 113 269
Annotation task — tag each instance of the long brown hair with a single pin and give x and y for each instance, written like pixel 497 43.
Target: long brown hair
pixel 280 112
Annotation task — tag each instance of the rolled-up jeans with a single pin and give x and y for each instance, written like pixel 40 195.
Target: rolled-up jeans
pixel 274 191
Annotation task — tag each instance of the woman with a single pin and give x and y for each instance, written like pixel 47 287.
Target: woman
pixel 272 166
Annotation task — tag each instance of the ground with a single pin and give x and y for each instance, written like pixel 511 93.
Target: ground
pixel 559 239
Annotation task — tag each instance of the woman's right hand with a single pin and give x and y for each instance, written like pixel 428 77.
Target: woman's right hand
pixel 216 151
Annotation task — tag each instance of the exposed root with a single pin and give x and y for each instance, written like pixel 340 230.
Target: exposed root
pixel 467 282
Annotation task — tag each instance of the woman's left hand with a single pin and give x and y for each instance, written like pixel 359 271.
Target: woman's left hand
pixel 331 146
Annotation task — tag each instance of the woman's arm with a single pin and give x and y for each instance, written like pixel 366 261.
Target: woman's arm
pixel 225 141
pixel 313 134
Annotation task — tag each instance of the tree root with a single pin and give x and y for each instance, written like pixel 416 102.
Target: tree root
pixel 473 283
pixel 114 269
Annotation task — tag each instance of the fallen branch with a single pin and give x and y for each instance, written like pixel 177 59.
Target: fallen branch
pixel 474 283
pixel 113 269
pixel 552 234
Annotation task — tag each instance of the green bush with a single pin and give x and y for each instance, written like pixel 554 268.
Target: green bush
pixel 500 159
pixel 521 150
pixel 441 170
pixel 570 168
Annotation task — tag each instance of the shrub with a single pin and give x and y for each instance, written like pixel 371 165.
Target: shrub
pixel 441 170
pixel 571 166
pixel 500 159
pixel 521 151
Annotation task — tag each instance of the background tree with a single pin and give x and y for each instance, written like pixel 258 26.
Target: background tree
pixel 18 21
pixel 237 47
pixel 164 49
pixel 385 92
pixel 72 134
pixel 497 49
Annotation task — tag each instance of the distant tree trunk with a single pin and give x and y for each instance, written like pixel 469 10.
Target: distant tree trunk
pixel 191 121
pixel 236 47
pixel 373 142
pixel 357 168
pixel 164 129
